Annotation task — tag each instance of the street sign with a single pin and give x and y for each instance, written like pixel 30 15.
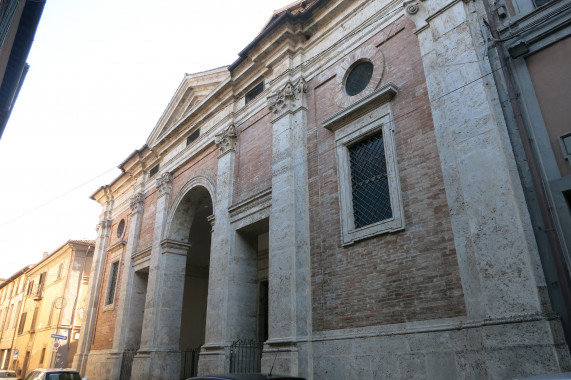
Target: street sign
pixel 16 352
pixel 56 346
pixel 56 336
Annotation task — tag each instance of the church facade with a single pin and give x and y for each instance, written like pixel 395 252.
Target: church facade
pixel 345 193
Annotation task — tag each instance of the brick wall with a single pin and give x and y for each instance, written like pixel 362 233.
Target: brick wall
pixel 253 170
pixel 148 222
pixel 105 320
pixel 203 164
pixel 405 276
pixel 126 216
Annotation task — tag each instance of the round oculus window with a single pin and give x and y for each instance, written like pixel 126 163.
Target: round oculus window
pixel 121 228
pixel 358 78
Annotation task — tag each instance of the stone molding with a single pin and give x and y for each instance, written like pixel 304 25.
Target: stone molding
pixel 164 184
pixel 288 98
pixel 212 220
pixel 382 95
pixel 103 226
pixel 175 247
pixel 368 53
pixel 226 140
pixel 136 203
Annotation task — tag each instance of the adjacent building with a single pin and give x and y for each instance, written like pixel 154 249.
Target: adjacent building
pixel 345 193
pixel 19 20
pixel 44 309
pixel 12 292
pixel 530 50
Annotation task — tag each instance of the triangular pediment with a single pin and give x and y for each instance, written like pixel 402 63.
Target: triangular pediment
pixel 193 88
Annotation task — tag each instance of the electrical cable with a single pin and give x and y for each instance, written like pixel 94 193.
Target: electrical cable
pixel 56 198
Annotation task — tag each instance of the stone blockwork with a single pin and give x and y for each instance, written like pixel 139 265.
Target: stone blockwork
pixel 258 204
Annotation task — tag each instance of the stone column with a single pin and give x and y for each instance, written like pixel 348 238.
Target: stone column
pixel 159 354
pixel 95 277
pixel 213 356
pixel 497 254
pixel 489 218
pixel 128 324
pixel 289 261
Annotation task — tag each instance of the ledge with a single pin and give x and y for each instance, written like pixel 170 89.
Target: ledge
pixel 382 95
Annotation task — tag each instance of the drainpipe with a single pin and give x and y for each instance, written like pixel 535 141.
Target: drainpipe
pixel 554 244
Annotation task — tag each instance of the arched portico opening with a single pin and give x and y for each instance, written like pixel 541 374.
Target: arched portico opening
pixel 191 223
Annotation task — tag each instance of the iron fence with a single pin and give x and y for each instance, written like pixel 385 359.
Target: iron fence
pixel 246 356
pixel 189 362
pixel 127 362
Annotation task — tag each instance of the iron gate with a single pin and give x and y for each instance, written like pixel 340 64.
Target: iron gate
pixel 246 356
pixel 189 362
pixel 127 362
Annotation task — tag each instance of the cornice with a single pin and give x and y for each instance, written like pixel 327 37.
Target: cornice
pixel 382 95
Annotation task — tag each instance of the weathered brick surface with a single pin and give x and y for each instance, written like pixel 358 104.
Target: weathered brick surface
pixel 105 320
pixel 148 222
pixel 253 170
pixel 203 164
pixel 114 239
pixel 406 276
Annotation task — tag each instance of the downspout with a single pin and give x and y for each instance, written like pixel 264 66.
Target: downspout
pixel 554 244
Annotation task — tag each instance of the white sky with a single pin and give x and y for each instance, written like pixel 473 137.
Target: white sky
pixel 101 74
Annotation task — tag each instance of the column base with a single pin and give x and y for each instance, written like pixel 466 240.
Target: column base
pixel 214 359
pixel 280 357
pixel 156 365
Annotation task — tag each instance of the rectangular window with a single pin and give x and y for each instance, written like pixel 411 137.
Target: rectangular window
pixel 370 199
pixel 41 284
pixel 253 93
pixel 51 316
pixel 22 323
pixel 369 181
pixel 35 318
pixel 193 136
pixel 60 271
pixel 9 319
pixel 154 171
pixel 43 355
pixel 112 283
pixel 30 288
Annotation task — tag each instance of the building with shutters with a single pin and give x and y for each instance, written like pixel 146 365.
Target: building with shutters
pixel 345 193
pixel 41 301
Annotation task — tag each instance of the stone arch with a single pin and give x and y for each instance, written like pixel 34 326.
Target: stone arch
pixel 181 211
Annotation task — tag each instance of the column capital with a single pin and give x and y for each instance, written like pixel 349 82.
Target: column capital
pixel 290 97
pixel 136 203
pixel 226 140
pixel 164 184
pixel 103 227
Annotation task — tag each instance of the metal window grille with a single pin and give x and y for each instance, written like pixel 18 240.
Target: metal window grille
pixel 369 181
pixel 112 282
pixel 127 362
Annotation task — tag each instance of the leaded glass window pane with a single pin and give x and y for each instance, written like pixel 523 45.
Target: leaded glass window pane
pixel 359 78
pixel 369 181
